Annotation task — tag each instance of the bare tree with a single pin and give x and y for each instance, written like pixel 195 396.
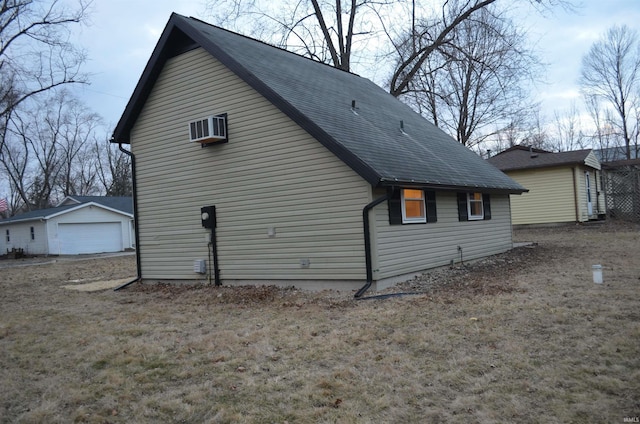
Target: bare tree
pixel 535 134
pixel 324 30
pixel 474 81
pixel 35 55
pixel 567 131
pixel 333 32
pixel 48 151
pixel 527 129
pixel 611 74
pixel 114 170
pixel 14 158
pixel 77 128
pixel 432 37
pixel 34 141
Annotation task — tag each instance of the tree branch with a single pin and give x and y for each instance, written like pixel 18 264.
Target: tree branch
pixel 408 68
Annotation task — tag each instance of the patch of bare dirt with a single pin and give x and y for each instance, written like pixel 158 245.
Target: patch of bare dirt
pixel 483 277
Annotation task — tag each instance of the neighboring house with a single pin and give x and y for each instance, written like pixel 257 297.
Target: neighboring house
pixel 79 224
pixel 319 178
pixel 563 187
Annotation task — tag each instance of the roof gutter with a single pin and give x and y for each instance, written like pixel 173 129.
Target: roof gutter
pixel 450 188
pixel 367 243
pixel 135 218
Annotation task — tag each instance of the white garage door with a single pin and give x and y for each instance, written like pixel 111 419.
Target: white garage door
pixel 90 238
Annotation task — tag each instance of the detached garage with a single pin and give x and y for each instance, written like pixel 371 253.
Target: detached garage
pixel 78 225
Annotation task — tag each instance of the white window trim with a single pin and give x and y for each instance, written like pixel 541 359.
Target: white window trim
pixel 421 220
pixel 470 216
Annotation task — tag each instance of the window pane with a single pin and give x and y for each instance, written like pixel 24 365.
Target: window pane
pixel 414 208
pixel 413 194
pixel 476 208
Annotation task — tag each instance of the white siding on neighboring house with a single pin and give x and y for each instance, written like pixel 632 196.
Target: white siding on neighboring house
pixel 410 248
pixel 271 178
pixel 90 229
pixel 597 195
pixel 20 237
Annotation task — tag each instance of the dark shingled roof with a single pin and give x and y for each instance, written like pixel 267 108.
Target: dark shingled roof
pixel 523 157
pixel 319 97
pixel 122 204
pixel 37 214
pixel 617 154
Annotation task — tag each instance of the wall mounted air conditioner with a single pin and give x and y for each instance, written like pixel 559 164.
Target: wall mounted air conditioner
pixel 212 129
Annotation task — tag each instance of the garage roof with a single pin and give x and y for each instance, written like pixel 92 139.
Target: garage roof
pixel 120 203
pixel 114 204
pixel 525 157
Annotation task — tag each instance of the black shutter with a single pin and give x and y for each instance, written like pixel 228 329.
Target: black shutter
pixel 395 207
pixel 430 200
pixel 486 205
pixel 463 215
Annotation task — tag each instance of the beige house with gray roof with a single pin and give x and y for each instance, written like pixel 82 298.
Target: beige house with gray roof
pixel 563 187
pixel 282 170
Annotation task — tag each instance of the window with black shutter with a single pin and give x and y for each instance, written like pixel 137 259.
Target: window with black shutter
pixel 412 206
pixel 474 206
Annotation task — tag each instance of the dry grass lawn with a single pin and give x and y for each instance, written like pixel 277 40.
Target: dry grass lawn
pixel 522 337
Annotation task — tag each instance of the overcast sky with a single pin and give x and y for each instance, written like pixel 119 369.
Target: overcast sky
pixel 122 34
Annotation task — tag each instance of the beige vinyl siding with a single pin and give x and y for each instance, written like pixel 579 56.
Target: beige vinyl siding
pixel 592 161
pixel 404 249
pixel 580 194
pixel 271 174
pixel 557 195
pixel 551 197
